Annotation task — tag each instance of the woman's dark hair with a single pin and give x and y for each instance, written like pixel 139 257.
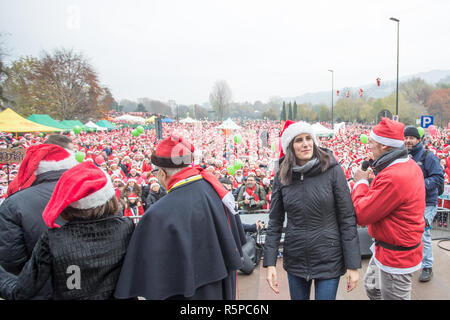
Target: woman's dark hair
pixel 290 160
pixel 110 208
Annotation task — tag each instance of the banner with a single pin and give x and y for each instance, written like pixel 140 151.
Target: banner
pixel 446 194
pixel 12 155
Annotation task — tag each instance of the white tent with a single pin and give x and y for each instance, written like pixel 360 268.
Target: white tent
pixel 320 130
pixel 130 118
pixel 229 124
pixel 339 127
pixel 91 124
pixel 188 120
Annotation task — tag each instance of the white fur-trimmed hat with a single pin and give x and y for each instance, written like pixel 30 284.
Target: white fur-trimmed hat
pixel 39 159
pixel 292 130
pixel 388 133
pixel 84 186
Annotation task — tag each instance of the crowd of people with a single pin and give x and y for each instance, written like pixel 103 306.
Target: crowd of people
pixel 126 158
pixel 143 174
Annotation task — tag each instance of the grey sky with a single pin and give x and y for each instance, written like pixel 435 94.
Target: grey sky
pixel 178 49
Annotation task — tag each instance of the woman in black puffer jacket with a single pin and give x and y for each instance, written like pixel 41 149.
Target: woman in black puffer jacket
pixel 321 240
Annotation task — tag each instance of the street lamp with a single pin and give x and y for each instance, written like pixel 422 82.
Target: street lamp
pixel 332 94
pixel 398 40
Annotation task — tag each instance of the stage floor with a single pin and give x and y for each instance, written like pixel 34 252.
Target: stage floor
pixel 255 287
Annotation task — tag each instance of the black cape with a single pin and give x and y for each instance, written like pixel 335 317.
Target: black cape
pixel 186 246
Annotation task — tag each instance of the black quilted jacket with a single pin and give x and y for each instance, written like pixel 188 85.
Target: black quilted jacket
pixel 83 259
pixel 321 239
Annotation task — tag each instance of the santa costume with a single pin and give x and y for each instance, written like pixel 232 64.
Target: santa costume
pixel 392 206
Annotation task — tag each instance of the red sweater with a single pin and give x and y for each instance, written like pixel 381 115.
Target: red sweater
pixel 392 208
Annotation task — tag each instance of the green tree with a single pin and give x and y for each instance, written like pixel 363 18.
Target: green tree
pixel 290 112
pixel 140 108
pixel 20 89
pixel 270 114
pixel 283 112
pixel 324 113
pixel 295 110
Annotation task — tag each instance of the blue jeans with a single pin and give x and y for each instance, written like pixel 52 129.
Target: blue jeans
pixel 300 289
pixel 427 260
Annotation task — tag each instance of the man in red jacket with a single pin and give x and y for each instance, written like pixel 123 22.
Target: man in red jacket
pixel 392 207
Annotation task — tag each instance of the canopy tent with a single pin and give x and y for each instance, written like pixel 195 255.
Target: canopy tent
pixel 150 120
pixel 188 120
pixel 167 120
pixel 106 124
pixel 130 118
pixel 91 124
pixel 339 126
pixel 229 125
pixel 10 121
pixel 46 120
pixel 321 131
pixel 72 123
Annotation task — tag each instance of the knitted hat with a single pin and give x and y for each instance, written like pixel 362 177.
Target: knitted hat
pixel 411 131
pixel 292 129
pixel 173 152
pixel 84 186
pixel 39 159
pixel 388 133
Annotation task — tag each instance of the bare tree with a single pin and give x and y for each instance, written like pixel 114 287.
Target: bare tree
pixel 68 80
pixel 220 98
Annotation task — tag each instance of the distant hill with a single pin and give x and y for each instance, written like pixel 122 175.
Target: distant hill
pixel 371 90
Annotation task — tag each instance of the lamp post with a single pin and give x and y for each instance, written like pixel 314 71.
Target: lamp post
pixel 398 40
pixel 332 94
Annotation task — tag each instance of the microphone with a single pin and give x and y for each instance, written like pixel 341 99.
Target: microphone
pixel 366 164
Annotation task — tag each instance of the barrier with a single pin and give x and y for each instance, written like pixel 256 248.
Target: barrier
pixel 441 220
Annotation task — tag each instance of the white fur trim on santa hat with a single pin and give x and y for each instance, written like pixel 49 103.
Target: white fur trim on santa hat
pixel 387 141
pixel 98 198
pixel 67 163
pixel 294 130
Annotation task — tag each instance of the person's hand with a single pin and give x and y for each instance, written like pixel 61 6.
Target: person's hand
pixel 259 225
pixel 271 277
pixel 360 174
pixel 352 279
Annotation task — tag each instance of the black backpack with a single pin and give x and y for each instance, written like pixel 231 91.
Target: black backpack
pixel 441 186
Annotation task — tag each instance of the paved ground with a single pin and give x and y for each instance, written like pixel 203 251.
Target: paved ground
pixel 254 286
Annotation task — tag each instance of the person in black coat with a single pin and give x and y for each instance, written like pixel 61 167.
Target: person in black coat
pixel 321 241
pixel 188 246
pixel 156 193
pixel 21 222
pixel 83 258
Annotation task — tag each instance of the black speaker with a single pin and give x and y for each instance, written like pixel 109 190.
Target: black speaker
pixel 365 242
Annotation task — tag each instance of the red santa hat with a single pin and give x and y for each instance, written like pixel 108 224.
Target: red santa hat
pixel 388 133
pixel 40 159
pixel 84 186
pixel 173 152
pixel 132 196
pixel 292 129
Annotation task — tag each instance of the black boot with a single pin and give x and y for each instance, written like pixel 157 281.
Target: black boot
pixel 426 275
